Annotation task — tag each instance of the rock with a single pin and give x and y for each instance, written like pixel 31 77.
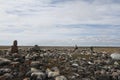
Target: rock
pixel 76 74
pixel 26 79
pixel 61 78
pixel 4 61
pixel 115 56
pixel 35 64
pixel 8 76
pixel 75 65
pixel 15 64
pixel 52 74
pixel 39 75
pixel 4 70
pixel 34 70
pixel 116 63
pixel 90 63
pixel 85 79
pixel 36 74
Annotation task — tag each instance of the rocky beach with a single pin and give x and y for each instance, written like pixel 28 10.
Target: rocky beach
pixel 41 63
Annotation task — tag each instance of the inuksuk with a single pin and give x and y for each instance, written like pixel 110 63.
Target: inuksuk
pixel 14 47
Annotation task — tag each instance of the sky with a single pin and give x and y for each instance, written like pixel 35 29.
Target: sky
pixel 60 22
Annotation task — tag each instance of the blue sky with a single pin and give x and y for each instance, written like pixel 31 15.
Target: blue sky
pixel 60 22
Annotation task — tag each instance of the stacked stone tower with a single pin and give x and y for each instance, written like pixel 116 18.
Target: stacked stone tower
pixel 14 47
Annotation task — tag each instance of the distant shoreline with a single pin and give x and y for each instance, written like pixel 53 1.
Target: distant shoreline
pixel 6 47
pixel 109 49
pixel 65 46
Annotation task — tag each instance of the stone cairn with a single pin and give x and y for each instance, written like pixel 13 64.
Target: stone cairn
pixel 36 48
pixel 14 47
pixel 76 47
pixel 91 49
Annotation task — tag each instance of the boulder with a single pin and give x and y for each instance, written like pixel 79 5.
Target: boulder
pixel 115 56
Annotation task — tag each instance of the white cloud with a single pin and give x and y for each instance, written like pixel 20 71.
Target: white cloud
pixel 41 21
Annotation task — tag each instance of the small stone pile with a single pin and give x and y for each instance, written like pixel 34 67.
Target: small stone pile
pixel 36 48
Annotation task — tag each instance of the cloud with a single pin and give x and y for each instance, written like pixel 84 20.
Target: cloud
pixel 60 22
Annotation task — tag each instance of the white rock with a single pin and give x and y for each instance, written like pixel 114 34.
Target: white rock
pixel 60 78
pixel 116 63
pixel 75 65
pixel 52 73
pixel 115 56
